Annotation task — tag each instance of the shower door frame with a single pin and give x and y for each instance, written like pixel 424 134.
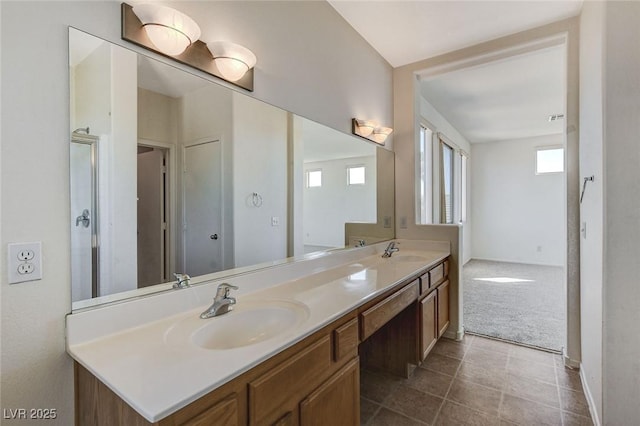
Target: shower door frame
pixel 92 142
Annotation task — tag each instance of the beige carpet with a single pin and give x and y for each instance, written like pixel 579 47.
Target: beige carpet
pixel 515 302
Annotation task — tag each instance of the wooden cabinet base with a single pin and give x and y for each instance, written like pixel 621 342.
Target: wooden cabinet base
pixel 336 402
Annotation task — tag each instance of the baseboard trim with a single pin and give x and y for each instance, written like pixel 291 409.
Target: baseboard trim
pixel 568 362
pixel 454 335
pixel 589 397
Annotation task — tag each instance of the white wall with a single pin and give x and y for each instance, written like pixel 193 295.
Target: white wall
pixel 123 140
pixel 329 207
pixel 621 340
pixel 324 73
pixel 157 117
pixel 518 216
pixel 259 166
pixel 592 207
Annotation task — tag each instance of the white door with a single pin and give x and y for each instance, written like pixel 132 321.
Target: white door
pixel 151 224
pixel 202 208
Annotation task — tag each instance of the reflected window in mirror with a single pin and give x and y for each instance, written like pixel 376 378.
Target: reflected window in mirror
pixel 356 175
pixel 314 178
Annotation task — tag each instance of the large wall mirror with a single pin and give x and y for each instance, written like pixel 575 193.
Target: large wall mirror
pixel 173 173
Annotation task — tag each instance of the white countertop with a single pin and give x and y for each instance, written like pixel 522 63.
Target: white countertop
pixel 132 346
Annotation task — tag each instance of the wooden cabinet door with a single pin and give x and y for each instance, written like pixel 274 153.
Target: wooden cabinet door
pixel 443 307
pixel 224 413
pixel 428 323
pixel 336 402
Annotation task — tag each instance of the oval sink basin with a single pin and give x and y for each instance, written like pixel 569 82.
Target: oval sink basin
pixel 408 258
pixel 249 323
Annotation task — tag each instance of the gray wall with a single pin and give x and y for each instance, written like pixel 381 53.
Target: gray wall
pixel 309 61
pixel 592 207
pixel 621 307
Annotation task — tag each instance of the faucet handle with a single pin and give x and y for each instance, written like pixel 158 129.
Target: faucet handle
pixel 224 289
pixel 183 280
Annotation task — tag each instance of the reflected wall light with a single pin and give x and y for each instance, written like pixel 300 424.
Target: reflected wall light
pixel 173 34
pixel 169 30
pixel 370 130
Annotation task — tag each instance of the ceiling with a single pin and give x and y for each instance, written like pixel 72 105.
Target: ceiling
pixel 404 32
pixel 502 100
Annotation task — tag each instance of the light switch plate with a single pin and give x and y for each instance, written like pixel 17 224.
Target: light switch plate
pixel 24 262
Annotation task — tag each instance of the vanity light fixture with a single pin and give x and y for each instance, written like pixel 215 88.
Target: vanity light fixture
pixel 170 30
pixel 173 34
pixel 380 134
pixel 232 60
pixel 370 130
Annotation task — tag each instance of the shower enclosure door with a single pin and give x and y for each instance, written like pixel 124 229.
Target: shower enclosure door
pixel 84 232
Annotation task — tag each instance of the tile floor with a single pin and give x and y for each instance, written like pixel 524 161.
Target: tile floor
pixel 477 382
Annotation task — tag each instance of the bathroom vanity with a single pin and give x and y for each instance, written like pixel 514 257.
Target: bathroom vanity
pixel 288 354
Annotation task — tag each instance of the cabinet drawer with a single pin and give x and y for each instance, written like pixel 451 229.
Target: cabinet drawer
pixel 377 316
pixel 345 340
pixel 436 275
pixel 272 395
pixel 223 413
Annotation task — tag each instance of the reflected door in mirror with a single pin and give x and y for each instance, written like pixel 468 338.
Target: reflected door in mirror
pixel 152 225
pixel 202 208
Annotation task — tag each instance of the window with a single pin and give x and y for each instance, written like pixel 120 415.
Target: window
pixel 549 160
pixel 463 187
pixel 446 183
pixel 355 175
pixel 424 213
pixel 314 178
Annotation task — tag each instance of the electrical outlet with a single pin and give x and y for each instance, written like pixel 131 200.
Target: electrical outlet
pixel 24 262
pixel 275 221
pixel 387 222
pixel 25 255
pixel 26 268
pixel 403 222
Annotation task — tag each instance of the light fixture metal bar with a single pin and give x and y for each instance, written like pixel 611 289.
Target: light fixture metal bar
pixel 197 55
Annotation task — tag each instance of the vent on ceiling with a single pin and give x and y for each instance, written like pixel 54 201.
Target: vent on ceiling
pixel 555 117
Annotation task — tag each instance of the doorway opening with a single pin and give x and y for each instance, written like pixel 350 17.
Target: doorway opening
pixel 496 110
pixel 154 198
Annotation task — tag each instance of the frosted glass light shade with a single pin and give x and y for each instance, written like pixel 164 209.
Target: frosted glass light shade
pixel 380 134
pixel 365 127
pixel 232 60
pixel 169 30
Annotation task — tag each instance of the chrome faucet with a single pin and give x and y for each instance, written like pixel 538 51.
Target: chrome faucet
pixel 391 248
pixel 183 280
pixel 222 303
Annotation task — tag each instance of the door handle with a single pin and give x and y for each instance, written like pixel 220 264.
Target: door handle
pixel 214 236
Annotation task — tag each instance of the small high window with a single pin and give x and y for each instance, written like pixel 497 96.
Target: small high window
pixel 549 160
pixel 314 178
pixel 355 175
